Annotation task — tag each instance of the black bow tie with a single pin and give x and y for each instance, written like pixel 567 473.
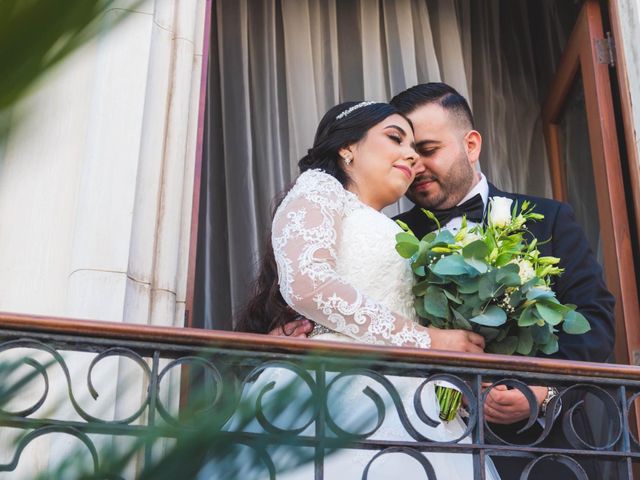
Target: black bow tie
pixel 472 208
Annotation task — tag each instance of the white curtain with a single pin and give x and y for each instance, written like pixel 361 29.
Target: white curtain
pixel 276 66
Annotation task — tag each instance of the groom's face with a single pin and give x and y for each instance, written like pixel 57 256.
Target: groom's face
pixel 445 172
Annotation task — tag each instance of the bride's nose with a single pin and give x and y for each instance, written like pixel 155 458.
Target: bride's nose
pixel 411 156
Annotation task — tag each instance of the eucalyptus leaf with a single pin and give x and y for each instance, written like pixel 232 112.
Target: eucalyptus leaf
pixel 419 270
pixel 539 293
pixel 435 302
pixel 541 334
pixel 548 314
pixel 451 265
pixel 505 347
pixel 502 334
pixel 515 298
pixel 527 318
pixel 467 285
pixel 493 316
pixel 503 259
pixel 509 275
pixel 418 303
pixel 452 297
pixel 406 249
pixel 429 237
pixel 480 266
pixel 525 341
pixel 404 237
pixel 491 334
pixel 444 236
pixel 551 346
pixel 487 286
pixel 420 288
pixel 476 249
pixel 575 323
pixel 460 321
pixel 407 244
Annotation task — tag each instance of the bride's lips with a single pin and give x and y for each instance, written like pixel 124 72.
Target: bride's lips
pixel 405 170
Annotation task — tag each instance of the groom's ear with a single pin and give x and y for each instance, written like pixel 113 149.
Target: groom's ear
pixel 473 146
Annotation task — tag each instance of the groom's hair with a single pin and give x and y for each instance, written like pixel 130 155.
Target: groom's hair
pixel 435 92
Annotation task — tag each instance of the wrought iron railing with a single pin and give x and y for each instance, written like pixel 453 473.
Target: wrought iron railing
pixel 389 386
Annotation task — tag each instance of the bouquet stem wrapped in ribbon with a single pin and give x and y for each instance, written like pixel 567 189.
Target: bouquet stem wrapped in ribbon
pixel 490 279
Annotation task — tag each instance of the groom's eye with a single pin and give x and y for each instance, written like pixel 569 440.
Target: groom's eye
pixel 426 152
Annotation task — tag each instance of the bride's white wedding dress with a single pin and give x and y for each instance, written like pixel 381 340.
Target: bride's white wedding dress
pixel 338 266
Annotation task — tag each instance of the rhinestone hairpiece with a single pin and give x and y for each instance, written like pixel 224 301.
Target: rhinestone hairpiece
pixel 351 109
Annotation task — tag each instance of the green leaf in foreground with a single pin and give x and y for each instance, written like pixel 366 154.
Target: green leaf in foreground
pixel 509 275
pixel 450 265
pixel 493 316
pixel 527 318
pixel 435 302
pixel 550 315
pixel 575 323
pixel 459 321
pixel 551 346
pixel 477 249
pixel 525 341
pixel 505 347
pixel 406 244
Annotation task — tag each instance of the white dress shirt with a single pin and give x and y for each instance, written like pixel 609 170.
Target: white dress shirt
pixel 482 188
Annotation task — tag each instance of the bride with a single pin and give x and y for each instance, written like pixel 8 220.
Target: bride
pixel 333 261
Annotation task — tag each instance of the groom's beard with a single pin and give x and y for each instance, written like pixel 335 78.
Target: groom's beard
pixel 453 186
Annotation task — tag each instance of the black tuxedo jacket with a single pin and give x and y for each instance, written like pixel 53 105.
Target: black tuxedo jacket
pixel 581 284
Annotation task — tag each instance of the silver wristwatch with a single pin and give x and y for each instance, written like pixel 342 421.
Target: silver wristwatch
pixel 552 392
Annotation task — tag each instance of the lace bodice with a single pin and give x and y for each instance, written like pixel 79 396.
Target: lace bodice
pixel 318 255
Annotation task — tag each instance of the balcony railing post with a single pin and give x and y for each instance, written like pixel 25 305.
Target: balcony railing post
pixel 478 434
pixel 320 426
pixel 153 401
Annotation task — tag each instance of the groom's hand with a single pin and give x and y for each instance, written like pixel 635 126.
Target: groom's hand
pixel 295 329
pixel 510 406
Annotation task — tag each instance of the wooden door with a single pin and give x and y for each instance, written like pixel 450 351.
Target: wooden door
pixel 580 100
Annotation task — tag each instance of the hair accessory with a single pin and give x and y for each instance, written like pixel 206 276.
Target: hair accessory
pixel 351 109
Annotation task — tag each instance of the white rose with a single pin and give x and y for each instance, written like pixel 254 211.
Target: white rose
pixel 526 270
pixel 500 211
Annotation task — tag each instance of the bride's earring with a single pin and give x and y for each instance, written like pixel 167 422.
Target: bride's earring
pixel 347 159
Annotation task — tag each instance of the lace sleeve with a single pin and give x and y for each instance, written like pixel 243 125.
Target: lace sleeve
pixel 305 230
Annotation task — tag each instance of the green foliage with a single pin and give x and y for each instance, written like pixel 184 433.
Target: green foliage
pixel 491 280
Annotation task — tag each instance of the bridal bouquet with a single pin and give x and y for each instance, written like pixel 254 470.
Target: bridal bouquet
pixel 489 279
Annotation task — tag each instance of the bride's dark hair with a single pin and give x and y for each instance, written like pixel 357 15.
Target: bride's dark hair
pixel 343 125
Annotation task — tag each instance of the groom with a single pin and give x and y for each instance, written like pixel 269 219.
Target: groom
pixel 448 183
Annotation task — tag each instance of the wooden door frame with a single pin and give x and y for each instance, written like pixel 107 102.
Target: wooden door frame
pixel 197 180
pixel 631 138
pixel 580 56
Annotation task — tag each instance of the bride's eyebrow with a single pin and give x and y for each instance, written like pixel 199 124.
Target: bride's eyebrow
pixel 399 129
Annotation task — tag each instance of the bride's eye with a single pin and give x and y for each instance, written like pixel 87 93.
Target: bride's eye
pixel 395 138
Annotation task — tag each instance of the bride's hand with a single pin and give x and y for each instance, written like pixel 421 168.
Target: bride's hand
pixel 457 340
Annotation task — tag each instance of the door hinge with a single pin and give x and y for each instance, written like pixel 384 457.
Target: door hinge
pixel 606 50
pixel 635 358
